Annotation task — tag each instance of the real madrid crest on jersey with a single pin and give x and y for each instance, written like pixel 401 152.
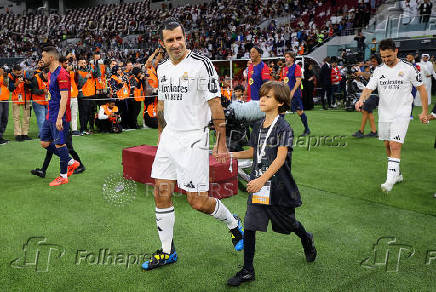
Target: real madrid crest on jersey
pixel 250 81
pixel 401 74
pixel 213 88
pixel 185 76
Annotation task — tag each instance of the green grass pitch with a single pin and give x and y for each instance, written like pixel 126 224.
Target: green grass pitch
pixel 366 240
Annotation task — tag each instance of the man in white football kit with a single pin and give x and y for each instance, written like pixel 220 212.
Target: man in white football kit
pixel 188 96
pixel 427 72
pixel 394 80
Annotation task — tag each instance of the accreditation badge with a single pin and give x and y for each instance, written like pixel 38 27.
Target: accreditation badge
pixel 48 96
pixel 20 98
pixel 262 197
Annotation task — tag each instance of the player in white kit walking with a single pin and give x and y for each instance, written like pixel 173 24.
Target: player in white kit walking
pixel 188 96
pixel 394 80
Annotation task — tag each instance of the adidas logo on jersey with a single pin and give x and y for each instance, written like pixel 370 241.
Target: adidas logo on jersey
pixel 397 138
pixel 383 76
pixel 190 185
pixel 392 169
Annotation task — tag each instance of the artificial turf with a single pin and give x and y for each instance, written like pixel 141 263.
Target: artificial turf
pixel 342 205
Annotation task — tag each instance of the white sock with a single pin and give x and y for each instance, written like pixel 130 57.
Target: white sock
pixel 63 175
pixel 71 161
pixel 223 214
pixel 393 169
pixel 165 225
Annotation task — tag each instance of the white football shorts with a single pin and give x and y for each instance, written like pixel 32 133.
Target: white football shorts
pixel 183 156
pixel 393 131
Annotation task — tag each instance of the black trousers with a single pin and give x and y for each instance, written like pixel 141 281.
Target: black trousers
pixel 308 96
pixel 92 113
pixel 123 110
pixel 326 90
pixel 4 116
pixel 134 107
pixel 136 111
pixel 84 112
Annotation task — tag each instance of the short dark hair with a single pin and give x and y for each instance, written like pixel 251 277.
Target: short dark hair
pixel 387 44
pixel 62 59
pixel 377 58
pixel 16 67
pixel 291 54
pixel 259 50
pixel 239 87
pixel 170 24
pixel 281 91
pixel 51 50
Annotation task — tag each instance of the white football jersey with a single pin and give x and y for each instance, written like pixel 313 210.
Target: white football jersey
pixel 395 89
pixel 185 89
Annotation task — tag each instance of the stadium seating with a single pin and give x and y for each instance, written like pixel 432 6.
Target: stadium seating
pixel 221 29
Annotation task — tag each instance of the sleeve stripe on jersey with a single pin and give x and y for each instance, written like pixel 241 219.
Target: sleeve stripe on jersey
pixel 208 68
pixel 163 61
pixel 410 64
pixel 206 62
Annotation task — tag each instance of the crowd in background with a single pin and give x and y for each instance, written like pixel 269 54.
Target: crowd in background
pixel 220 29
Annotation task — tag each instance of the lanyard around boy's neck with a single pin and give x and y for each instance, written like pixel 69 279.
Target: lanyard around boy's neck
pixel 261 153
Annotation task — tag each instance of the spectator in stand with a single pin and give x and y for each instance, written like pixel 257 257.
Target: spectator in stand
pixel 425 9
pixel 360 39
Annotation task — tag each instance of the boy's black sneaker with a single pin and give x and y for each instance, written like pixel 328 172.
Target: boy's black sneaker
pixel 80 169
pixel 358 134
pixel 25 137
pixel 3 141
pixel 19 138
pixel 372 134
pixel 242 276
pixel 39 172
pixel 305 133
pixel 309 247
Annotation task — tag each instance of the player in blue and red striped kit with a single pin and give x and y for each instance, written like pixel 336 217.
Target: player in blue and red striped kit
pixel 291 75
pixel 55 129
pixel 258 73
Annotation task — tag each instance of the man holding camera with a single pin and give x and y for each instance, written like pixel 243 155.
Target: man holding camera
pixel 21 98
pixel 39 96
pixel 4 104
pixel 86 90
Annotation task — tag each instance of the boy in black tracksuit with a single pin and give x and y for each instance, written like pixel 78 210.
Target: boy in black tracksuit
pixel 273 194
